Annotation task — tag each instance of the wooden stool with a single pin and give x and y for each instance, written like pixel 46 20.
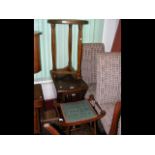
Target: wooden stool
pixel 79 113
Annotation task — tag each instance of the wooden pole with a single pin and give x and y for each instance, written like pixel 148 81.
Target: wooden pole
pixel 53 47
pixel 70 46
pixel 79 51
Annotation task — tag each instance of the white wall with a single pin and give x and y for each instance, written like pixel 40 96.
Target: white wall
pixel 48 88
pixel 109 30
pixel 49 91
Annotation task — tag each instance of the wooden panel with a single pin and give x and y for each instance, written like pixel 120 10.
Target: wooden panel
pixel 38 92
pixel 38 103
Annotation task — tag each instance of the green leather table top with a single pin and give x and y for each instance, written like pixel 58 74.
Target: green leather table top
pixel 77 111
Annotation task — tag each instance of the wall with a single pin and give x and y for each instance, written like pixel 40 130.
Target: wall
pixel 109 30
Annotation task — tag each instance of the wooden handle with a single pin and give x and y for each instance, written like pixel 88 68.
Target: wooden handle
pixel 51 129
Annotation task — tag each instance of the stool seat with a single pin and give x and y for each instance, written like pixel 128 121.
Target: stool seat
pixel 77 111
pixel 76 114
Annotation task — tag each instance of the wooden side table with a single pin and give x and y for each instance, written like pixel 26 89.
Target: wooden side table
pixel 69 68
pixel 67 80
pixel 38 104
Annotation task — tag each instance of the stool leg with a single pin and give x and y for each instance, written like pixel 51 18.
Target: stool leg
pixel 69 130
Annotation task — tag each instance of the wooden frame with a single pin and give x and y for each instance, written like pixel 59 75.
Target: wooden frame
pixel 114 125
pixel 37 66
pixel 115 120
pixel 92 120
pixel 68 69
pixel 38 104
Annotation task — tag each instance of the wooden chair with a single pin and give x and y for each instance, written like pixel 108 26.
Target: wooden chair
pixel 108 90
pixel 69 124
pixel 113 129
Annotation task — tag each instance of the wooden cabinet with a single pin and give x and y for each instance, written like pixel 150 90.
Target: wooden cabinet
pixel 38 104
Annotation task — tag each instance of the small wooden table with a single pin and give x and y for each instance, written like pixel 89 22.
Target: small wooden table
pixel 38 104
pixel 78 113
pixel 68 80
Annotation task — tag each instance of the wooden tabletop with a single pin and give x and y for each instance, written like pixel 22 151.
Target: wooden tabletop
pixel 67 21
